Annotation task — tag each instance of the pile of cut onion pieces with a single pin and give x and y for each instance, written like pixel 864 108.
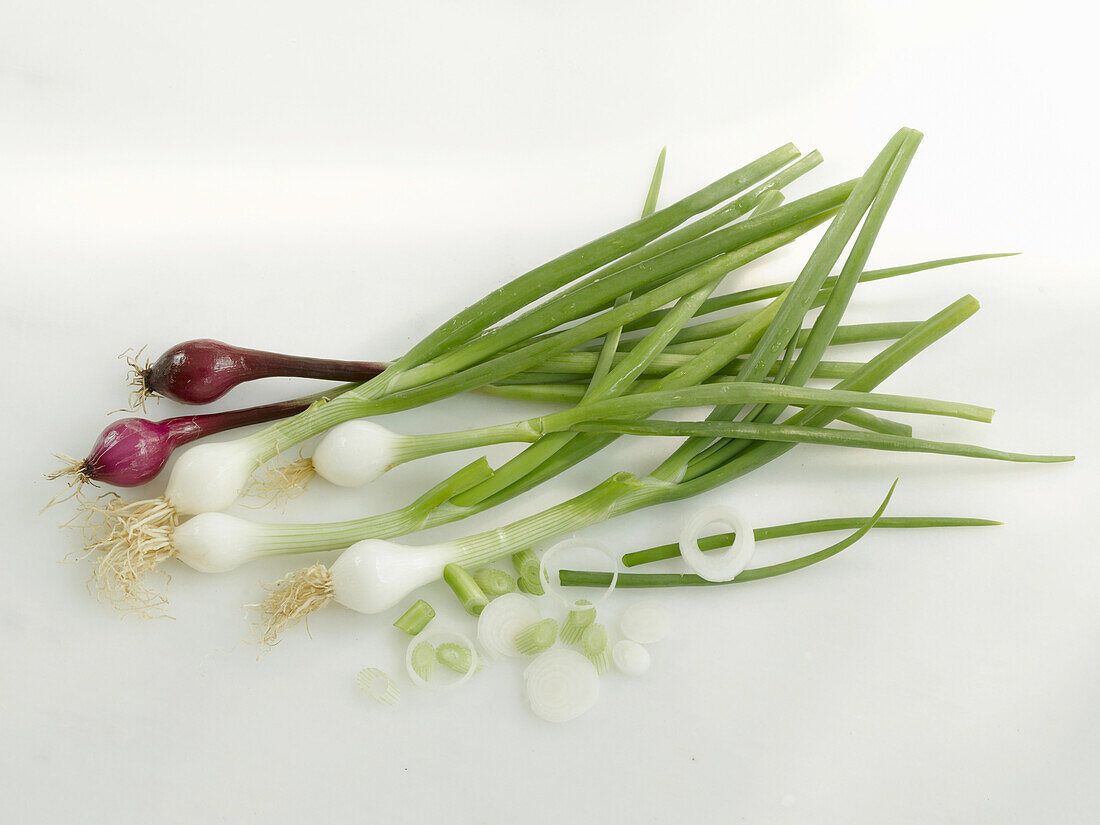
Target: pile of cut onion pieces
pixel 606 336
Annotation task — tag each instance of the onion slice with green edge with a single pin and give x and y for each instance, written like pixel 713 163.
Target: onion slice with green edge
pixel 501 620
pixel 645 623
pixel 433 639
pixel 561 684
pixel 631 658
pixel 724 566
pixel 549 583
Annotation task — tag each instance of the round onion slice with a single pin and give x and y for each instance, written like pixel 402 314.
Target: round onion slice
pixel 717 566
pixel 436 637
pixel 630 657
pixel 645 622
pixel 561 684
pixel 501 620
pixel 551 582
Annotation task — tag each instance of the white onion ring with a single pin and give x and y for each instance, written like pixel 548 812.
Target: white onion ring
pixel 434 637
pixel 721 566
pixel 554 587
pixel 501 620
pixel 561 684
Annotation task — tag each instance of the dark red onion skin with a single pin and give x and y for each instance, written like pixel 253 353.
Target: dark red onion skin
pixel 132 451
pixel 203 370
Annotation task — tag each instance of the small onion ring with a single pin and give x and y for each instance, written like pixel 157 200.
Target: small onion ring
pixel 554 587
pixel 433 637
pixel 724 566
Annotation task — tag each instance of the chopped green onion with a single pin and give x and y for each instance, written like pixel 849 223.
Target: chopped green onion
pixel 595 646
pixel 416 618
pixel 536 638
pixel 578 621
pixel 494 582
pixel 457 657
pixel 446 647
pixel 471 596
pixel 527 567
pixel 422 660
pixel 378 685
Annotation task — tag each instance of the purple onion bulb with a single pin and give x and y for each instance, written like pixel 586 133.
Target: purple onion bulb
pixel 203 370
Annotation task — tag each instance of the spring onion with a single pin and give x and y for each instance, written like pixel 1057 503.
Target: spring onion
pixel 645 622
pixel 132 451
pixel 561 685
pixel 357 452
pixel 201 371
pixel 631 658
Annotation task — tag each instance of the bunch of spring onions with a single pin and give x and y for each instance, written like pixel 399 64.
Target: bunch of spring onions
pixel 480 346
pixel 745 429
pixel 611 330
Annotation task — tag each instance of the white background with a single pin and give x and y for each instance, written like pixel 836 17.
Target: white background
pixel 337 177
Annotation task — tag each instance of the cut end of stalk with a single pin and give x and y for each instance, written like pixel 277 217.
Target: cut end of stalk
pixel 132 539
pixel 292 599
pixel 280 483
pixel 138 379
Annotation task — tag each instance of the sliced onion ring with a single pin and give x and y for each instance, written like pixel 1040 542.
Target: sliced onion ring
pixel 434 637
pixel 554 587
pixel 717 566
pixel 561 684
pixel 502 619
